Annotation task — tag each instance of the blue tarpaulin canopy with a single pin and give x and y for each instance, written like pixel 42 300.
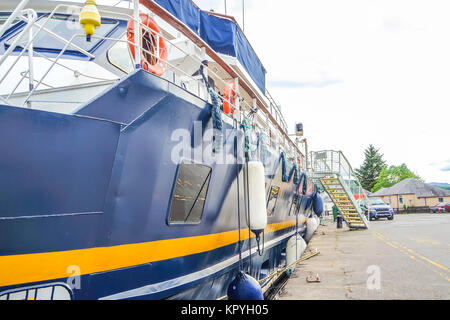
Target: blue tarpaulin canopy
pixel 221 34
pixel 185 11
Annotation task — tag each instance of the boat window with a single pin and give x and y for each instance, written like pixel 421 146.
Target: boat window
pixel 120 57
pixel 5 16
pixel 273 196
pixel 66 27
pixel 190 192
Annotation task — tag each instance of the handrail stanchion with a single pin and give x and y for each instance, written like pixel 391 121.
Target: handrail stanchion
pixel 30 57
pixel 237 102
pixel 137 35
pixel 17 40
pixel 52 65
pixel 13 16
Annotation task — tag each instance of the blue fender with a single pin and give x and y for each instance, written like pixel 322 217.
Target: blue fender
pixel 308 200
pixel 244 287
pixel 317 204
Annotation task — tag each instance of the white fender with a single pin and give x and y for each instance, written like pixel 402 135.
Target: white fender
pixel 257 196
pixel 311 226
pixel 294 250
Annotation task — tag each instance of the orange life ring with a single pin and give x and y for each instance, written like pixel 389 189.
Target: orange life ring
pixel 229 95
pixel 151 61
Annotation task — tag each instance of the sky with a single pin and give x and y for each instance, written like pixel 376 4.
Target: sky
pixel 358 72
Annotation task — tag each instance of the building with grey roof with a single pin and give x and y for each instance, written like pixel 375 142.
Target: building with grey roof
pixel 412 193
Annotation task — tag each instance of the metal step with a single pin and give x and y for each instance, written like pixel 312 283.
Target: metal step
pixel 333 171
pixel 355 221
pixel 358 226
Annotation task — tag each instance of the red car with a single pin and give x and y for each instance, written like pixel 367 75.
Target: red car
pixel 441 207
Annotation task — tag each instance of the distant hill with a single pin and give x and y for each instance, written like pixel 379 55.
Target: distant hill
pixel 442 185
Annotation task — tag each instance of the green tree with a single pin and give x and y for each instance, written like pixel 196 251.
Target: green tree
pixel 393 175
pixel 370 169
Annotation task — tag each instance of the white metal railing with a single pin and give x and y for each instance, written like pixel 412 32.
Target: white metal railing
pixel 275 110
pixel 29 16
pixel 17 11
pixel 32 16
pixel 70 43
pixel 276 113
pixel 30 23
pixel 334 162
pixel 329 162
pixel 240 104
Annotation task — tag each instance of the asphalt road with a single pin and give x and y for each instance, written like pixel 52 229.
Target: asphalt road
pixel 407 258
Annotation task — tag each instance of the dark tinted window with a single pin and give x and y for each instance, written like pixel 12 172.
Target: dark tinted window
pixel 5 16
pixel 190 193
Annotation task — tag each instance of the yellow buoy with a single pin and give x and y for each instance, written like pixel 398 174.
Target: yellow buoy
pixel 90 18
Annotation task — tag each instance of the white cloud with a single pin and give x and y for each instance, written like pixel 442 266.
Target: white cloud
pixel 389 60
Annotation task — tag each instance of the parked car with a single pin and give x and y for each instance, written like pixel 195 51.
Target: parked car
pixel 441 207
pixel 378 209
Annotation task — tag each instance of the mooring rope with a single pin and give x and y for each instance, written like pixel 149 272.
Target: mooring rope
pixel 238 195
pixel 279 272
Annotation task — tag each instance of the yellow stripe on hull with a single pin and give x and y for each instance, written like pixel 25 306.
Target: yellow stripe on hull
pixel 17 269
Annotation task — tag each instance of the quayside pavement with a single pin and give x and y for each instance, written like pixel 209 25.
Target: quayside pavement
pixel 407 258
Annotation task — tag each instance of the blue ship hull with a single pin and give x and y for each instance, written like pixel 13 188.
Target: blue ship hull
pixel 93 190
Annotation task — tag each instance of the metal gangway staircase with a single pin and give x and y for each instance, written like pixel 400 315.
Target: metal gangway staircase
pixel 332 171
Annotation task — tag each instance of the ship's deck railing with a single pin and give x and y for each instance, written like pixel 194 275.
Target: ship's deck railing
pixel 275 110
pixel 29 16
pixel 69 43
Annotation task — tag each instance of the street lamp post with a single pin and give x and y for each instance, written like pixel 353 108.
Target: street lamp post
pixel 305 142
